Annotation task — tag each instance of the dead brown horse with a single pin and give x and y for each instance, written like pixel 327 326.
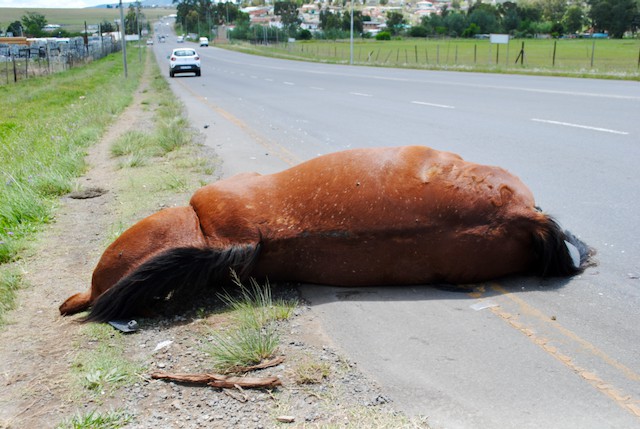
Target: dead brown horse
pixel 386 216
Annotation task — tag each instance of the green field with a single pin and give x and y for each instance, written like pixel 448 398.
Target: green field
pixel 74 19
pixel 578 57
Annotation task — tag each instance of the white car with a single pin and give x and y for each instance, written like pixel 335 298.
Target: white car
pixel 204 41
pixel 184 60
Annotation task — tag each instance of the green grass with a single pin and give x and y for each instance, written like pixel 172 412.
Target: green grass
pixel 10 282
pixel 45 129
pixel 97 420
pixel 101 366
pixel 47 126
pixel 253 336
pixel 73 19
pixel 611 58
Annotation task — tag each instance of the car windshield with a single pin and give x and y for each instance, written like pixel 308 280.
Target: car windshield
pixel 184 53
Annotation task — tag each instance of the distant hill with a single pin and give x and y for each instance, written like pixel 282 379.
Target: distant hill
pixel 145 3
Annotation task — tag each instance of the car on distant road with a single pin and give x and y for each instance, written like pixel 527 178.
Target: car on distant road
pixel 149 41
pixel 180 39
pixel 184 60
pixel 204 41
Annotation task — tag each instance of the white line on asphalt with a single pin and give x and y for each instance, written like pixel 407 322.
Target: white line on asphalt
pixel 361 94
pixel 317 88
pixel 443 106
pixel 586 127
pixel 288 83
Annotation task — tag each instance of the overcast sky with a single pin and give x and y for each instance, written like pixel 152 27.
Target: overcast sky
pixel 23 4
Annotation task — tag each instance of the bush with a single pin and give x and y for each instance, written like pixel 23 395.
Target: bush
pixel 383 35
pixel 418 31
pixel 304 35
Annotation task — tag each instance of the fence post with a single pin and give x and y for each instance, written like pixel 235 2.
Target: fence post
pixel 553 62
pixel 15 70
pixel 593 49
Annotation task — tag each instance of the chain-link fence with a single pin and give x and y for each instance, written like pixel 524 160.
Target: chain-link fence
pixel 47 56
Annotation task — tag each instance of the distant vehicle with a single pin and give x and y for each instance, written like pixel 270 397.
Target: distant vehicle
pixel 204 41
pixel 184 60
pixel 161 39
pixel 180 39
pixel 149 41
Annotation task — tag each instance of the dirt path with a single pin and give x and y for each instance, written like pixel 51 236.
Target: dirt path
pixel 38 347
pixel 37 344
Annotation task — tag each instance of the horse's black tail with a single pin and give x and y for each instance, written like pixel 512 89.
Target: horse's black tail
pixel 559 253
pixel 176 272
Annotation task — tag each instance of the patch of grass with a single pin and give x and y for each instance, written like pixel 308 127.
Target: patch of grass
pixel 242 346
pixel 131 142
pixel 101 366
pixel 311 372
pixel 254 306
pixel 10 282
pixel 98 420
pixel 253 336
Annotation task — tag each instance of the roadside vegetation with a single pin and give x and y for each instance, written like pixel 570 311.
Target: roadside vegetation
pixel 615 59
pixel 45 131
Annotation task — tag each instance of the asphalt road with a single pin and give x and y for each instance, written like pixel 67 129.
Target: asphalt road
pixel 515 353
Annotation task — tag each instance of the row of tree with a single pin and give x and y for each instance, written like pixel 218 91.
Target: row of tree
pixel 32 24
pixel 527 18
pixel 522 19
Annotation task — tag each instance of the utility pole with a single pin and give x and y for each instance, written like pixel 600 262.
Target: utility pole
pixel 351 37
pixel 124 42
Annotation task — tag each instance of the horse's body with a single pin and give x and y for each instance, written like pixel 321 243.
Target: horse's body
pixel 409 215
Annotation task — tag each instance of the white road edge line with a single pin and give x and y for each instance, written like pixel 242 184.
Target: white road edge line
pixel 360 94
pixel 443 106
pixel 586 127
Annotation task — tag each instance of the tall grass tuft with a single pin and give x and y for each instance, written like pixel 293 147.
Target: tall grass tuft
pixel 10 282
pixel 254 336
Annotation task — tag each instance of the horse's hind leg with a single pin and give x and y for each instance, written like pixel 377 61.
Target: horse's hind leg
pixel 76 303
pixel 167 229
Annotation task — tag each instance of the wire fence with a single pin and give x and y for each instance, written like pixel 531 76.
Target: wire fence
pixel 47 56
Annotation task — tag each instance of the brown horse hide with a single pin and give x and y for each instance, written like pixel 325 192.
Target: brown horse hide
pixel 383 216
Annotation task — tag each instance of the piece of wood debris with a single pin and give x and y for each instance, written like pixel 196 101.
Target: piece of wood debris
pixel 261 365
pixel 221 381
pixel 286 419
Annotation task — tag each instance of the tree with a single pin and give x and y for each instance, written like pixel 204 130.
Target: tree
pixel 107 27
pixel 131 19
pixel 33 24
pixel 330 20
pixel 455 23
pixel 574 19
pixel 288 13
pixel 395 22
pixel 614 16
pixel 16 28
pixel 357 22
pixel 553 10
pixel 484 16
